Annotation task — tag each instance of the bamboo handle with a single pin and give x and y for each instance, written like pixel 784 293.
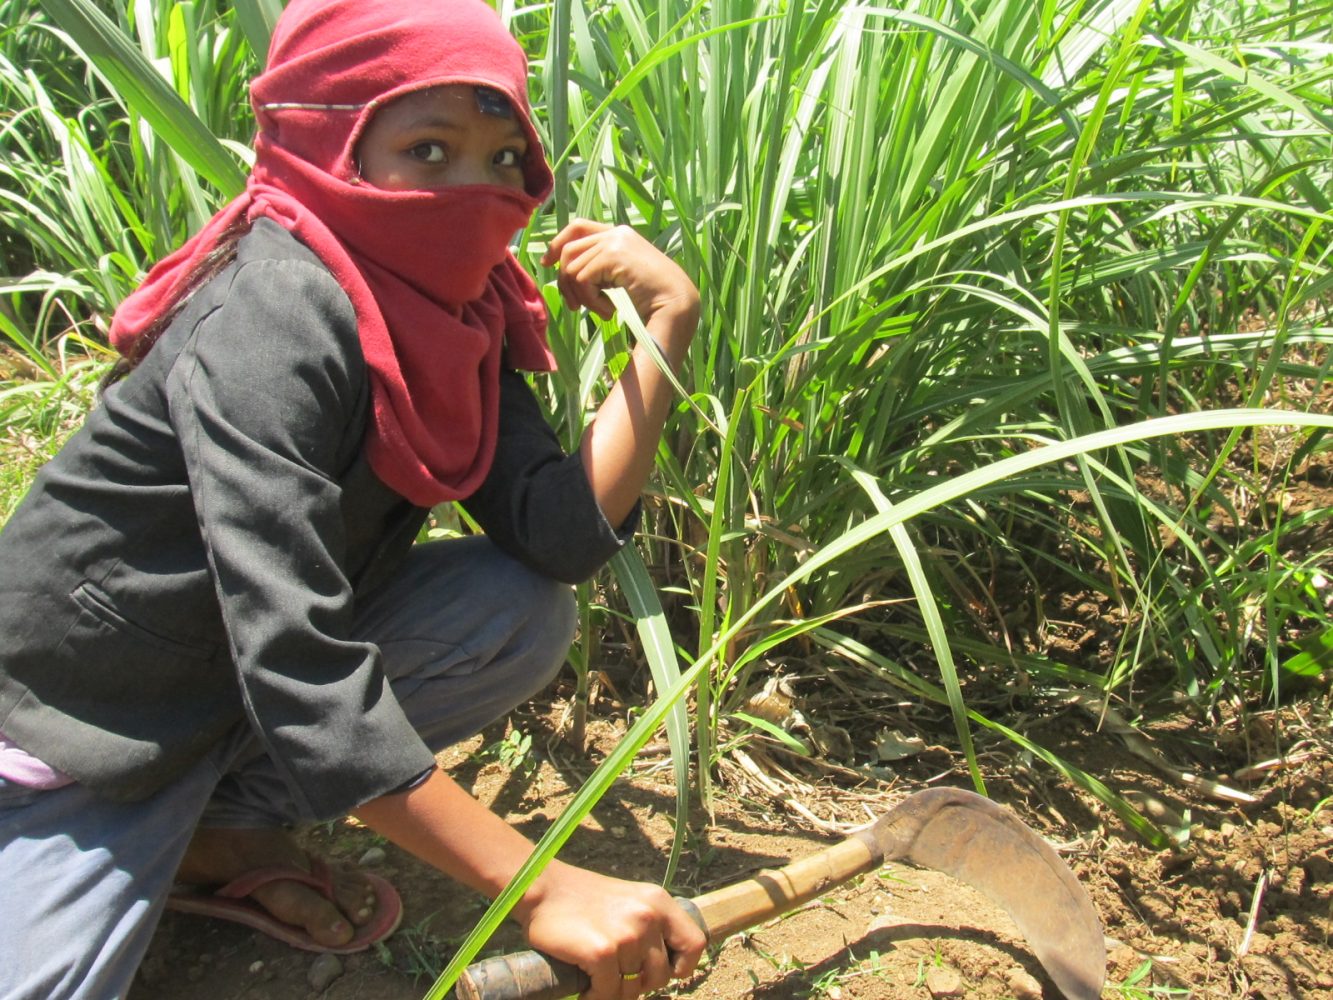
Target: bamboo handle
pixel 524 975
pixel 530 975
pixel 770 893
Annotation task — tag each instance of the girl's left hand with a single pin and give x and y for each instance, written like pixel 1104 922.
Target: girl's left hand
pixel 594 256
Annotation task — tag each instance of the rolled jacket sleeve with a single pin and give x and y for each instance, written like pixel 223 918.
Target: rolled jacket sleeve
pixel 536 502
pixel 263 399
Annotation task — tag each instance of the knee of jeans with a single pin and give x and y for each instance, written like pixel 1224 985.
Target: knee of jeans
pixel 551 619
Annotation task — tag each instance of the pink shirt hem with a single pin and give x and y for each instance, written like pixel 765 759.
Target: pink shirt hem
pixel 22 768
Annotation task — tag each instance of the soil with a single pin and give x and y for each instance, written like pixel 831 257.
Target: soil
pixel 1243 907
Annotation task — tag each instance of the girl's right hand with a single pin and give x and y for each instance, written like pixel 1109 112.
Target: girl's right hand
pixel 594 256
pixel 630 937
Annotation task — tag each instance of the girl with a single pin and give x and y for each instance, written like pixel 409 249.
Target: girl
pixel 216 624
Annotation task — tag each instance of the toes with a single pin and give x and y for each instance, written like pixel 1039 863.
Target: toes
pixel 302 906
pixel 218 856
pixel 356 897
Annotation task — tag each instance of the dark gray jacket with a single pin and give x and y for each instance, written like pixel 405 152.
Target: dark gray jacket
pixel 193 555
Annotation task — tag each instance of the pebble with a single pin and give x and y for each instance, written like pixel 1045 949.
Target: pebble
pixel 256 968
pixel 373 856
pixel 323 971
pixel 944 983
pixel 1023 985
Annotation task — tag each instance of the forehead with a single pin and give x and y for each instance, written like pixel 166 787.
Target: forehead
pixel 455 104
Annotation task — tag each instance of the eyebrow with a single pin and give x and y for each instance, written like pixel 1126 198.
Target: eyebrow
pixel 434 119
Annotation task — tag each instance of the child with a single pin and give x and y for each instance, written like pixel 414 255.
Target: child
pixel 215 622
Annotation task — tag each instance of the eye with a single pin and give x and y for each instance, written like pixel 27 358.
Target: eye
pixel 428 152
pixel 509 158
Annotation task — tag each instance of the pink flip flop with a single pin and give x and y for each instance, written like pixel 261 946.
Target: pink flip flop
pixel 230 902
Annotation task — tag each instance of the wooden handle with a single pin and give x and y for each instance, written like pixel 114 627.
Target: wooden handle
pixel 524 975
pixel 530 975
pixel 735 907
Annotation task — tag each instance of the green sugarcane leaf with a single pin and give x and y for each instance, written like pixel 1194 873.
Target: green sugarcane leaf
pixel 257 18
pixel 143 91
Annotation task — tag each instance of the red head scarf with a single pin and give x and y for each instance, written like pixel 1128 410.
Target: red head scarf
pixel 436 291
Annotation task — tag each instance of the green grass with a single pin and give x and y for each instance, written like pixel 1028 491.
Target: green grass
pixel 40 406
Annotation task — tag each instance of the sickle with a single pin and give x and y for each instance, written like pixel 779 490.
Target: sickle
pixel 948 830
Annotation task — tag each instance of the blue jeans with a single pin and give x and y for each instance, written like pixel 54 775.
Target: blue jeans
pixel 466 634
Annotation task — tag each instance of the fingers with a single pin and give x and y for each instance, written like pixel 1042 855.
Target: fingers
pixel 631 938
pixel 604 973
pixel 669 946
pixel 645 968
pixel 685 941
pixel 591 258
pixel 581 281
pixel 643 961
pixel 576 230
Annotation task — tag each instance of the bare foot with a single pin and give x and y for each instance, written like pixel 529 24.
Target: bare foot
pixel 217 856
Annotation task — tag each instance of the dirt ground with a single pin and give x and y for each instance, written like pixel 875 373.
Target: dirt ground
pixel 1244 908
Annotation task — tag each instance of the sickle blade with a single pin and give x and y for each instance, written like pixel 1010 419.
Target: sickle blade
pixel 986 846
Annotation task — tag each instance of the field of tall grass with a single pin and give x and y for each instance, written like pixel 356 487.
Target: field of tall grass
pixel 1002 301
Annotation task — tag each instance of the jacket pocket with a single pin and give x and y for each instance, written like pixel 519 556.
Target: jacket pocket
pixel 93 601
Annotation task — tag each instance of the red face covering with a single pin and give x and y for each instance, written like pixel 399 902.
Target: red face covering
pixel 437 293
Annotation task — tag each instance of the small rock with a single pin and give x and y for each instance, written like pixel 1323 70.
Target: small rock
pixel 323 971
pixel 1023 985
pixel 256 967
pixel 373 856
pixel 1227 830
pixel 618 832
pixel 944 983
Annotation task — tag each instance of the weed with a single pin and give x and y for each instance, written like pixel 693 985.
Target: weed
pixel 425 953
pixel 514 751
pixel 829 984
pixel 1317 808
pixel 1134 988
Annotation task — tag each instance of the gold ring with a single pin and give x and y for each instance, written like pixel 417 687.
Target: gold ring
pixel 630 976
